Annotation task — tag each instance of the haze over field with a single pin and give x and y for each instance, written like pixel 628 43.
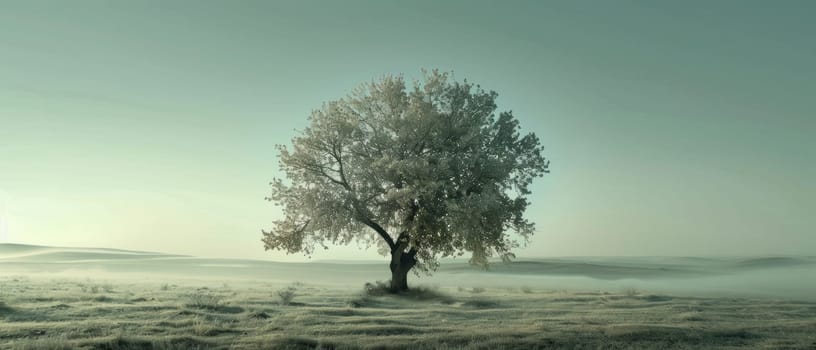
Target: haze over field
pixel 674 129
pixel 758 277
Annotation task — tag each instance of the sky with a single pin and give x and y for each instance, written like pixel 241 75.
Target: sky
pixel 673 127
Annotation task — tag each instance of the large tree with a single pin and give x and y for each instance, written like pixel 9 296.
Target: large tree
pixel 424 172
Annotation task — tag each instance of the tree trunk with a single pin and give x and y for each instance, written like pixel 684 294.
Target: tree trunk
pixel 401 264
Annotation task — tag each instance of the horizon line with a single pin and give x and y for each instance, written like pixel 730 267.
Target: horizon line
pixel 518 258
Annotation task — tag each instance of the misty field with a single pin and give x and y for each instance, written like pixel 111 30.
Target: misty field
pixel 101 302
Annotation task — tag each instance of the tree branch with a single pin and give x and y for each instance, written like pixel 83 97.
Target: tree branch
pixel 376 227
pixel 319 169
pixel 303 228
pixel 413 252
pixel 414 210
pixel 338 156
pixel 401 243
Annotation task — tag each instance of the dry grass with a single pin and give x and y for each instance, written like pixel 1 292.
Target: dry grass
pixel 57 314
pixel 287 295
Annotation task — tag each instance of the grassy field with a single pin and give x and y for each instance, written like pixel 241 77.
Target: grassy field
pixel 75 298
pixel 91 314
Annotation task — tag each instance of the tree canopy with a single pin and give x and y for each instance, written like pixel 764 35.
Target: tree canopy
pixel 429 170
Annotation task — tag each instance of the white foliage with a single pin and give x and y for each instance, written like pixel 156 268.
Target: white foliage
pixel 433 162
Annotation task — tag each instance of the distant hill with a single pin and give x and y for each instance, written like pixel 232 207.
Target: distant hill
pixel 775 262
pixel 26 252
pixel 34 258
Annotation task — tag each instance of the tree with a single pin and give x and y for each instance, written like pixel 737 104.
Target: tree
pixel 423 172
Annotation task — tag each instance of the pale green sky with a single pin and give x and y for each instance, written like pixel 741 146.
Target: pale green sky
pixel 674 128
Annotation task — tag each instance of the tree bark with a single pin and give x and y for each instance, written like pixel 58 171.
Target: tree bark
pixel 401 264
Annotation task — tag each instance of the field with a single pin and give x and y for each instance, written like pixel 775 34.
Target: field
pixel 104 299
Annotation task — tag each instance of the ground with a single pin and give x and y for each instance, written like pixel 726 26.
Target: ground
pixel 90 314
pixel 58 298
